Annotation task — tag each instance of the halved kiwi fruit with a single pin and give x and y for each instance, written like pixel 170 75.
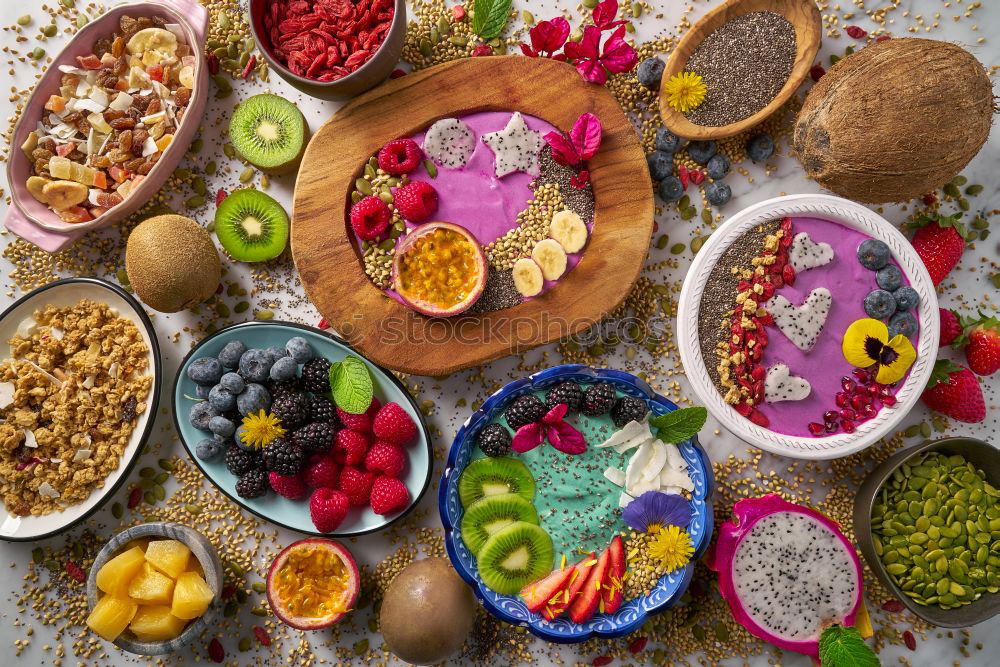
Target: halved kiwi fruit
pixel 514 557
pixel 491 477
pixel 269 132
pixel 491 514
pixel 251 226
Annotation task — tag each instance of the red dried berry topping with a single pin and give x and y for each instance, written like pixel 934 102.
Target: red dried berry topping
pixel 684 175
pixel 416 201
pixel 215 651
pixel 228 591
pixel 883 38
pixel 400 157
pixel 602 660
pixel 323 324
pixel 396 73
pixel 697 176
pixel 482 50
pixel 261 635
pixel 788 274
pixel 893 606
pixel 213 64
pixel 134 497
pixel 910 640
pixel 854 32
pixel 929 199
pixel 458 13
pixel 638 644
pixel 370 218
pixel 74 571
pixel 816 72
pixel 220 196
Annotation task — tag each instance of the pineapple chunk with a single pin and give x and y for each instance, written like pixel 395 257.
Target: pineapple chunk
pixel 155 623
pixel 82 173
pixel 60 167
pixel 168 556
pixel 150 586
pixel 191 596
pixel 111 615
pixel 114 577
pixel 195 566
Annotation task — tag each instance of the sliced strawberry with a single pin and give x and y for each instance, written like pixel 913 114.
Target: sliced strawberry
pixel 585 605
pixel 611 588
pixel 538 593
pixel 561 602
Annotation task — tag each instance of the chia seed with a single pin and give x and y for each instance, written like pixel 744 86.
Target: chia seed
pixel 744 63
pixel 580 201
pixel 498 294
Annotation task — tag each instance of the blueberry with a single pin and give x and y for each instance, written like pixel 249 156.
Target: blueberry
pixel 200 415
pixel 201 390
pixel 760 147
pixel 650 72
pixel 671 189
pixel 880 304
pixel 221 398
pixel 238 439
pixel 300 349
pixel 667 141
pixel 209 449
pixel 701 151
pixel 718 193
pixel 233 383
pixel 903 323
pixel 221 426
pixel 231 353
pixel 253 399
pixel 206 370
pixel 284 369
pixel 717 167
pixel 660 164
pixel 275 353
pixel 255 364
pixel 889 277
pixel 873 254
pixel 906 298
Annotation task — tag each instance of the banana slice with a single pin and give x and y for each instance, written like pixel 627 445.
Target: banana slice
pixel 61 195
pixel 36 185
pixel 550 257
pixel 568 229
pixel 153 44
pixel 527 277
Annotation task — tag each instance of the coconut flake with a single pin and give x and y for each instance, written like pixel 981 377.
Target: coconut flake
pixel 29 439
pixel 633 472
pixel 7 394
pixel 122 102
pixel 47 490
pixel 81 455
pixel 674 459
pixel 630 430
pixel 675 478
pixel 624 499
pixel 149 147
pixel 27 327
pixel 657 460
pixel 114 369
pixel 615 476
pixel 56 333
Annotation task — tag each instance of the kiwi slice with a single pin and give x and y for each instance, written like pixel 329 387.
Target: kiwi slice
pixel 251 226
pixel 490 514
pixel 514 557
pixel 269 132
pixel 491 477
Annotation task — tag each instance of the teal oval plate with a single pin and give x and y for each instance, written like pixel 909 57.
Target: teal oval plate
pixel 294 514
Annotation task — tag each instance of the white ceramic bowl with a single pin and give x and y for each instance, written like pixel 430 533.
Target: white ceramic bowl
pixel 68 293
pixel 850 215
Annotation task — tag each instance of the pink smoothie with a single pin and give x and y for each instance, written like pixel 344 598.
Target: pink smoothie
pixel 824 365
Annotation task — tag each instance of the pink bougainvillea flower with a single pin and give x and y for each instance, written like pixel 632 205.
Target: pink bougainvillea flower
pixel 593 63
pixel 618 55
pixel 581 180
pixel 582 144
pixel 605 13
pixel 560 435
pixel 547 37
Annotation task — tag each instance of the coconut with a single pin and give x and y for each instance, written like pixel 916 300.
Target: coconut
pixel 896 120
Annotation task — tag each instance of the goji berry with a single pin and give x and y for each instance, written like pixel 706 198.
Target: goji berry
pixel 697 176
pixel 218 290
pixel 854 32
pixel 602 660
pixel 638 645
pixel 929 199
pixel 74 570
pixel 249 67
pixel 816 72
pixel 483 50
pixel 893 606
pixel 683 175
pixel 262 635
pixel 323 324
pixel 220 196
pixel 396 73
pixel 134 496
pixel 883 38
pixel 910 640
pixel 213 64
pixel 228 591
pixel 458 13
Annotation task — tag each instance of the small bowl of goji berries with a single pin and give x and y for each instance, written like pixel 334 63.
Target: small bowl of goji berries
pixel 331 49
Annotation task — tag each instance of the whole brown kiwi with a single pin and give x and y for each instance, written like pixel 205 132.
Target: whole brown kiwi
pixel 172 263
pixel 427 612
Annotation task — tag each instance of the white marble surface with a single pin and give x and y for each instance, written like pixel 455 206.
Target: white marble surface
pixel 972 288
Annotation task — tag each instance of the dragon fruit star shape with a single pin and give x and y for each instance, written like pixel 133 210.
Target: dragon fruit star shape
pixel 515 148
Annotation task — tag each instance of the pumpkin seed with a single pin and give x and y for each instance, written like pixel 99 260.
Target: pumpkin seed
pixel 196 201
pixel 37 54
pixel 117 510
pixel 974 190
pixel 162 478
pixel 662 241
pixel 443 26
pixel 265 181
pixel 425 47
pixel 636 10
pixel 241 307
pixel 458 40
pixel 431 168
pixel 697 242
pixel 527 16
pixel 264 315
pixel 229 63
pixel 589 4
pixel 435 35
pixel 149 497
pixel 677 248
pixel 246 175
pixel 50 30
pixel 24 20
pixel 229 150
pixel 193 508
pixel 258 586
pixel 223 20
pixel 363 186
pixel 386 197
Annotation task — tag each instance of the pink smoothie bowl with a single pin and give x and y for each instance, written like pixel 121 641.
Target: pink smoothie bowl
pixel 32 220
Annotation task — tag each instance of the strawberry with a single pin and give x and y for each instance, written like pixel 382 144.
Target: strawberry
pixel 289 486
pixel 321 472
pixel 349 447
pixel 385 457
pixel 954 390
pixel 394 424
pixel 613 584
pixel 537 594
pixel 557 606
pixel 356 485
pixel 940 242
pixel 327 508
pixel 983 350
pixel 951 327
pixel 389 495
pixel 585 606
pixel 361 423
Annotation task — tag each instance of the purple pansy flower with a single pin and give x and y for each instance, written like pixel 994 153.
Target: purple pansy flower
pixel 662 509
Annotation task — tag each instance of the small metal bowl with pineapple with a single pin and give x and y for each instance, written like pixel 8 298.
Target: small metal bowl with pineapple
pixel 153 588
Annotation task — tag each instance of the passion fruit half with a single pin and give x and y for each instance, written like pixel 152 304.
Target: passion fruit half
pixel 439 269
pixel 313 583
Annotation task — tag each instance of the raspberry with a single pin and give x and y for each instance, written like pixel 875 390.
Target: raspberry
pixel 361 423
pixel 370 218
pixel 289 486
pixel 389 495
pixel 416 201
pixel 321 472
pixel 356 484
pixel 394 424
pixel 349 447
pixel 400 157
pixel 328 507
pixel 385 457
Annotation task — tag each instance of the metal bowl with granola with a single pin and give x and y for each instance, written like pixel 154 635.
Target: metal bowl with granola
pixel 78 387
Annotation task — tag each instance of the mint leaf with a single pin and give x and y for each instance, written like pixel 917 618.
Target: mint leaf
pixel 844 647
pixel 489 17
pixel 680 425
pixel 351 385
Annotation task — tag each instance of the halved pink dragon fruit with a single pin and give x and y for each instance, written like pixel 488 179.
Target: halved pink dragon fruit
pixel 787 573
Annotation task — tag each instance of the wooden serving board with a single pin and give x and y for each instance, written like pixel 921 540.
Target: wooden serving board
pixel 396 337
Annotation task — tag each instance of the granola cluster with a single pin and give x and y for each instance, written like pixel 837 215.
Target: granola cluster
pixel 70 394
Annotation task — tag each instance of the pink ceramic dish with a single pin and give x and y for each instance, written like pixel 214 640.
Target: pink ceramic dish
pixel 32 220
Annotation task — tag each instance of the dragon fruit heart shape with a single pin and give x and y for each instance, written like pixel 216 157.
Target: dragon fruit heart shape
pixel 787 573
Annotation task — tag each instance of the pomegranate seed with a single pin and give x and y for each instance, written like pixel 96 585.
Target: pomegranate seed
pixel 697 176
pixel 889 401
pixel 893 606
pixel 757 373
pixel 910 640
pixel 396 73
pixel 815 428
pixel 861 374
pixel 73 570
pixel 602 660
pixel 786 225
pixel 134 496
pixel 744 409
pixel 854 32
pixel 220 196
pixel 847 425
pixel 638 645
pixel 885 38
pixel 215 650
pixel 848 414
pixel 788 274
pixel 858 401
pixel 873 391
pixel 682 173
pixel 323 324
pixel 841 399
pixel 831 416
pixel 847 383
pixel 869 410
pixel 831 427
pixel 262 635
pixel 816 72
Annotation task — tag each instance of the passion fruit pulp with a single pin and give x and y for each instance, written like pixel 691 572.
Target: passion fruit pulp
pixel 312 584
pixel 439 269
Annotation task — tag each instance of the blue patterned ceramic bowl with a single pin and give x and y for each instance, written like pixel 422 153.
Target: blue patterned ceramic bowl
pixel 511 608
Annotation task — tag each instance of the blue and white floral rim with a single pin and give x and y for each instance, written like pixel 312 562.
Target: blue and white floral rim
pixel 511 608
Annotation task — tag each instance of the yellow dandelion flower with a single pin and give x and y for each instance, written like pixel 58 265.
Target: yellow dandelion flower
pixel 866 343
pixel 671 547
pixel 261 429
pixel 685 91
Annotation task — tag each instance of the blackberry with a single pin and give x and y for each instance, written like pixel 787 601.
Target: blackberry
pixel 239 461
pixel 316 375
pixel 292 408
pixel 283 457
pixel 321 409
pixel 315 437
pixel 495 440
pixel 627 409
pixel 524 410
pixel 253 484
pixel 565 392
pixel 598 399
pixel 293 385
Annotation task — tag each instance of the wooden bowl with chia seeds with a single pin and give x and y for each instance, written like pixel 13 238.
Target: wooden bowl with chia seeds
pixel 722 50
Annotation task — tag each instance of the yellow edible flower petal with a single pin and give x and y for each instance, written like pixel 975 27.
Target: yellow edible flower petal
pixel 896 369
pixel 261 429
pixel 685 91
pixel 672 548
pixel 863 340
